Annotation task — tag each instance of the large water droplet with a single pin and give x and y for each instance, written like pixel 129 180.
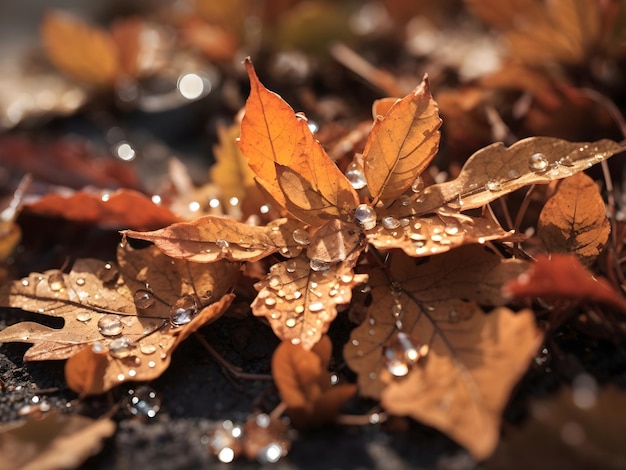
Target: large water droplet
pixel 108 274
pixel 365 216
pixel 143 299
pixel 56 282
pixel 120 347
pixel 110 325
pixel 319 265
pixel 494 185
pixel 301 236
pixel 401 352
pixel 538 163
pixel 355 175
pixel 183 310
pixel 143 402
pixel 390 222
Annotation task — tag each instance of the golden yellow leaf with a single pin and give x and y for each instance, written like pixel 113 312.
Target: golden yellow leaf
pixel 300 302
pixel 497 170
pixel 574 219
pixel 136 313
pixel 401 144
pixel 54 442
pixel 84 52
pixel 211 238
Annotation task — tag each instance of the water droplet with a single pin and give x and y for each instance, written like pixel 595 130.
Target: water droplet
pixel 55 281
pixel 25 282
pixel 319 265
pixel 494 185
pixel 143 402
pixel 401 352
pixel 108 274
pixel 151 364
pixel 290 266
pixel 390 222
pixel 222 244
pixel 301 236
pixel 513 174
pixel 183 310
pixel 120 347
pixel 452 228
pixel 120 377
pixel 97 347
pixel 355 175
pixel 83 316
pixel 365 216
pixel 397 310
pixel 80 281
pixel 110 325
pixel 418 185
pixel 270 301
pixel 299 309
pixel 274 282
pixel 538 163
pixel 436 238
pixel 148 349
pixel 143 299
pixel 290 322
pixel 316 307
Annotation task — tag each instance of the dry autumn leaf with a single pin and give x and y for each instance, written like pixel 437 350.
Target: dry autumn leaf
pixel 116 209
pixel 304 383
pixel 545 278
pixel 401 144
pixel 428 350
pixel 300 302
pixel 55 442
pixel 574 219
pixel 136 312
pixel 84 52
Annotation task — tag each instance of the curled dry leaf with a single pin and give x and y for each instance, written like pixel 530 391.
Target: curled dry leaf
pixel 54 442
pixel 212 238
pixel 304 384
pixel 136 313
pixel 497 170
pixel 546 279
pixel 121 208
pixel 84 52
pixel 299 302
pixel 439 359
pixel 574 219
pixel 273 137
pixel 401 144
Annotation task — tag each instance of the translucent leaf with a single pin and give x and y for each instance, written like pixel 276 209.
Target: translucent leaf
pixel 497 170
pixel 136 313
pixel 300 302
pixel 212 238
pixel 401 144
pixel 574 219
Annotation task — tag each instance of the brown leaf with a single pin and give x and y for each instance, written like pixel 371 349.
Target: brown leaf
pixel 574 219
pixel 304 384
pixel 335 241
pixel 401 144
pixel 118 209
pixel 299 302
pixel 125 311
pixel 439 359
pixel 273 136
pixel 563 277
pixel 85 53
pixel 497 170
pixel 54 442
pixel 211 238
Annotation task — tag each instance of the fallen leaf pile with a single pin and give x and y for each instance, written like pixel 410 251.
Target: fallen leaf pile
pixel 385 279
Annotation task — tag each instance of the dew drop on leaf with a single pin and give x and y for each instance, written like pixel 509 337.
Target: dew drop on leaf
pixel 110 325
pixel 83 316
pixel 222 244
pixel 120 348
pixel 494 185
pixel 401 352
pixel 301 236
pixel 183 310
pixel 290 322
pixel 452 228
pixel 316 307
pixel 148 349
pixel 25 282
pixel 365 216
pixel 319 265
pixel 390 222
pixel 355 175
pixel 143 299
pixel 274 282
pixel 143 402
pixel 538 163
pixel 418 185
pixel 80 281
pixel 290 266
pixel 55 281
